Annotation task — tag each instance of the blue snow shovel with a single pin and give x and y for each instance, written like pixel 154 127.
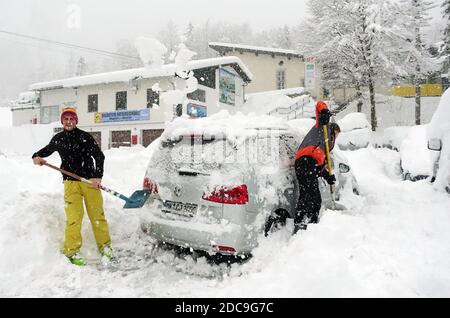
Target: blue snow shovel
pixel 137 199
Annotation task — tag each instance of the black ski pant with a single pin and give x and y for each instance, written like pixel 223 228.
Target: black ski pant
pixel 309 201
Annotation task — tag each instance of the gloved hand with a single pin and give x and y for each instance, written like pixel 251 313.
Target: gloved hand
pixel 324 116
pixel 329 179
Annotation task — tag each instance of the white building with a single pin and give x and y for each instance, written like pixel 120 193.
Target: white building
pixel 25 109
pixel 274 68
pixel 124 108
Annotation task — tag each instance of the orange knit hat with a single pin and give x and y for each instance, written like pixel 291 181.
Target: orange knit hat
pixel 69 111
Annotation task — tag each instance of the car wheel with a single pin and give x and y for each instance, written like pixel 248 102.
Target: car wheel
pixel 275 221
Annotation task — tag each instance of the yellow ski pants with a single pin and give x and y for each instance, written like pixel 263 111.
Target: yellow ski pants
pixel 74 192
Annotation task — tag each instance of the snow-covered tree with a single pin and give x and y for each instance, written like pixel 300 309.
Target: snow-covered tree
pixel 416 13
pixel 359 42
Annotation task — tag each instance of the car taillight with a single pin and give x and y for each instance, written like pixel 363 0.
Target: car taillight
pixel 225 249
pixel 150 185
pixel 236 195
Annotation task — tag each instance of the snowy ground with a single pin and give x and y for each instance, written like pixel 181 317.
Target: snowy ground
pixel 392 242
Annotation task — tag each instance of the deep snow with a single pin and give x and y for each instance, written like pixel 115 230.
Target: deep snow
pixel 393 241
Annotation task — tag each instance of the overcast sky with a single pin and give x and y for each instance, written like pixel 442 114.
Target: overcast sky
pixel 101 23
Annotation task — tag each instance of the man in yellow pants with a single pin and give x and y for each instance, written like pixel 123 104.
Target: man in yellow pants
pixel 78 151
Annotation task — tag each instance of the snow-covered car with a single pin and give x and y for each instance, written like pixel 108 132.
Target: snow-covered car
pixel 355 132
pixel 438 137
pixel 344 175
pixel 392 137
pixel 219 182
pixel 414 156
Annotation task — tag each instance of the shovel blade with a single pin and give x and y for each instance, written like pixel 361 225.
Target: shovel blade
pixel 137 199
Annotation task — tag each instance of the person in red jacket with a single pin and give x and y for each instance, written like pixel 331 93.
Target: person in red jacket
pixel 310 165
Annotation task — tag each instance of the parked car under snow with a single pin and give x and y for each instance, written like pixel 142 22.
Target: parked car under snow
pixel 355 132
pixel 414 156
pixel 218 182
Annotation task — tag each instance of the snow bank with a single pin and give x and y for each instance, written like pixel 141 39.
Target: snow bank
pixel 25 139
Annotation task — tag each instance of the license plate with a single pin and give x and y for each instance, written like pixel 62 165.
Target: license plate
pixel 185 209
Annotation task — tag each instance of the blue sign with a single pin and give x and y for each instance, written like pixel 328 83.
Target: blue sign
pixel 123 115
pixel 197 111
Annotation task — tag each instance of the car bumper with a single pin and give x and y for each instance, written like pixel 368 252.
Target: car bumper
pixel 199 235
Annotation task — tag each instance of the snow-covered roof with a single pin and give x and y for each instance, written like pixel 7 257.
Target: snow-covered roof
pixel 136 73
pixel 226 47
pixel 286 91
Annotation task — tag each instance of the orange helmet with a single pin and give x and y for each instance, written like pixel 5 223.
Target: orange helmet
pixel 69 111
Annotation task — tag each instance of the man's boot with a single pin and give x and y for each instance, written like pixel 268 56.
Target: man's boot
pixel 77 259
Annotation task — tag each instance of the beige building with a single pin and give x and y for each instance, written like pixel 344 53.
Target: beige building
pixel 130 107
pixel 274 69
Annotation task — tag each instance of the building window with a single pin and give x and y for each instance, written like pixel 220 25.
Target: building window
pixel 92 103
pixel 152 98
pixel 120 138
pixel 49 114
pixel 121 100
pixel 150 135
pixel 206 77
pixel 179 110
pixel 199 95
pixel 281 79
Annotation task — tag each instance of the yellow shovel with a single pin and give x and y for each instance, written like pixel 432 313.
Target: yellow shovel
pixel 330 171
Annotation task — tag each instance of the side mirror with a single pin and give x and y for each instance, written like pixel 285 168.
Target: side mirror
pixel 435 144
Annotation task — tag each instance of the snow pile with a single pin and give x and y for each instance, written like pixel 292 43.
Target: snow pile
pixel 355 131
pixel 414 155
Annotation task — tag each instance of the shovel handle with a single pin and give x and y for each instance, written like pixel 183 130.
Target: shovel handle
pixel 327 148
pixel 73 175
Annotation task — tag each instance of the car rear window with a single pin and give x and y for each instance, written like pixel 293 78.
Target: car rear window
pixel 208 154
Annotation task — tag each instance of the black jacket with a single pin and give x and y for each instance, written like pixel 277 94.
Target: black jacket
pixel 77 150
